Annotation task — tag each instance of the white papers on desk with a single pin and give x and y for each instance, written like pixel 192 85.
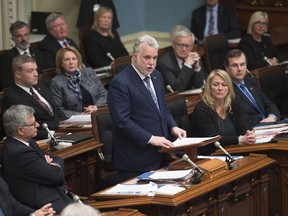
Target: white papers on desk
pixel 169 189
pixel 267 132
pixel 140 189
pixel 78 119
pixel 191 91
pixel 175 174
pixel 191 141
pixel 223 158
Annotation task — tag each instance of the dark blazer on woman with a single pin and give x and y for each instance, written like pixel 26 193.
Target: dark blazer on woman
pixel 255 51
pixel 228 23
pixel 97 46
pixel 9 205
pixel 205 123
pixel 65 98
pixel 33 181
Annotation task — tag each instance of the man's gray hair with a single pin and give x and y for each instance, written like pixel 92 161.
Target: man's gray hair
pixel 152 42
pixel 16 117
pixel 50 18
pixel 180 31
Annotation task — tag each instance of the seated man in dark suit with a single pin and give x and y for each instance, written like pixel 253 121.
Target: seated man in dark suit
pixel 26 78
pixel 257 107
pixel 20 34
pixel 34 177
pixel 215 18
pixel 181 67
pixel 55 39
pixel 9 206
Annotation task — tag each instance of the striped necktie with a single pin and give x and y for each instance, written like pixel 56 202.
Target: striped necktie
pixel 211 22
pixel 148 85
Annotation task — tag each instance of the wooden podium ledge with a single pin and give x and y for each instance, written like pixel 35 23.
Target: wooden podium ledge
pixel 236 149
pixel 246 166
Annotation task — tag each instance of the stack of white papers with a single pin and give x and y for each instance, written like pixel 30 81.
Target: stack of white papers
pixel 191 141
pixel 267 132
pixel 78 119
pixel 137 189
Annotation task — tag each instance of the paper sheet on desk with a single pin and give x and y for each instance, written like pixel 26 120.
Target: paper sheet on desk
pixel 192 91
pixel 266 133
pixel 140 189
pixel 190 141
pixel 78 119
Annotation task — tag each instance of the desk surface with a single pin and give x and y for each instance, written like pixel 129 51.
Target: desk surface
pixel 247 165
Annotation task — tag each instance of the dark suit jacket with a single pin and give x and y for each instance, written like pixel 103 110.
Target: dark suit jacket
pixel 49 46
pixel 265 104
pixel 32 181
pixel 255 51
pixel 205 123
pixel 228 23
pixel 9 205
pixel 6 74
pixel 179 79
pixel 16 95
pixel 135 118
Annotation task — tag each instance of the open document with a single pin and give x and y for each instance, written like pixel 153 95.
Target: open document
pixel 82 119
pixel 191 141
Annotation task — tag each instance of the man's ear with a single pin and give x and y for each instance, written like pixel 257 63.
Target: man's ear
pixel 20 131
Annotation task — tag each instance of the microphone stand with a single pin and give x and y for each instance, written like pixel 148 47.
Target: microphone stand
pixel 196 176
pixel 229 160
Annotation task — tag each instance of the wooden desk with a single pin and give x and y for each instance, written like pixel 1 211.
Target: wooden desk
pixel 74 128
pixel 123 212
pixel 240 191
pixel 191 101
pixel 81 166
pixel 278 185
pixel 106 78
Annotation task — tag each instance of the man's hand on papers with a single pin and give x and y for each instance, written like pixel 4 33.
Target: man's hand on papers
pixel 178 132
pixel 161 141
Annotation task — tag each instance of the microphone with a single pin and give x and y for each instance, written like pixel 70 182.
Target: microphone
pixel 53 141
pixel 76 199
pixel 199 172
pixel 218 145
pixel 169 88
pixel 105 69
pixel 250 73
pixel 110 56
pixel 229 159
pixel 267 60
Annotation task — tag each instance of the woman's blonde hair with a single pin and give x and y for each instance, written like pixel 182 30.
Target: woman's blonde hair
pixel 207 97
pixel 97 16
pixel 60 54
pixel 255 17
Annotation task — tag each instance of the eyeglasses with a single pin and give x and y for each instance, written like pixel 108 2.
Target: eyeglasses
pixel 186 46
pixel 261 23
pixel 34 124
pixel 234 65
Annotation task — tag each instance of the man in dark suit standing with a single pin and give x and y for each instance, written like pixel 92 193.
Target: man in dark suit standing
pixel 215 18
pixel 141 120
pixel 34 177
pixel 181 67
pixel 25 88
pixel 10 207
pixel 55 39
pixel 20 34
pixel 257 107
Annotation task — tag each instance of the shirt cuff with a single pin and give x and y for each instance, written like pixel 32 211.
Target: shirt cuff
pixel 150 140
pixel 273 116
pixel 197 69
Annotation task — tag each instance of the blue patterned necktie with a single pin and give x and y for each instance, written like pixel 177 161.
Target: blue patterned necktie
pixel 252 100
pixel 148 85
